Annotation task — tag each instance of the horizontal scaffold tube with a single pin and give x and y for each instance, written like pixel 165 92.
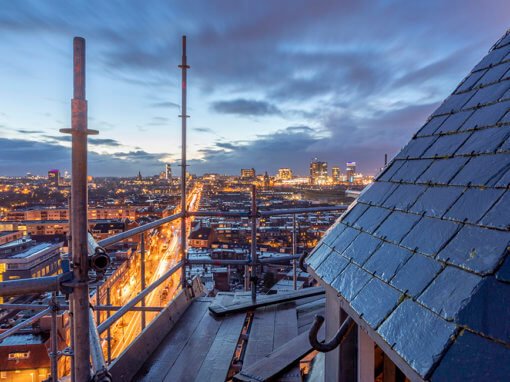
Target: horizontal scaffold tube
pixel 130 304
pixel 301 210
pixel 135 231
pixel 30 286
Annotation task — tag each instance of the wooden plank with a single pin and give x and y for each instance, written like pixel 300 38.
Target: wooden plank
pixel 285 324
pixel 260 341
pixel 217 361
pixel 189 361
pixel 133 357
pixel 163 358
pixel 365 357
pixel 277 361
pixel 265 301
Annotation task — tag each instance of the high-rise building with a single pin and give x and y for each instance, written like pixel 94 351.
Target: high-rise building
pixel 350 171
pixel 248 173
pixel 54 178
pixel 168 171
pixel 285 174
pixel 318 171
pixel 267 180
pixel 335 174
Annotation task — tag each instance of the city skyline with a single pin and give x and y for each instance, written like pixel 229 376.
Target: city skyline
pixel 339 91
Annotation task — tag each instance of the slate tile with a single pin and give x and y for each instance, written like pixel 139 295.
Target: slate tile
pixel 331 267
pixel 446 145
pixel 503 181
pixel 420 337
pixel 506 144
pixel 416 274
pixel 488 94
pixel 483 170
pixel 372 218
pixel 404 196
pixel 494 74
pixel 504 40
pixel 449 291
pixel 375 301
pixel 396 226
pixel 454 102
pixel 471 80
pixel 411 170
pixel 473 204
pixel 486 116
pixel 473 358
pixel 429 235
pixel 476 248
pixel 330 236
pixel 377 192
pixel 416 147
pixel 362 248
pixel 441 171
pixel 345 239
pixel 350 281
pixel 506 96
pixel 387 261
pixel 318 255
pixel 431 126
pixel 390 170
pixel 498 216
pixel 486 309
pixel 354 213
pixel 484 141
pixel 454 122
pixel 436 200
pixel 494 57
pixel 503 273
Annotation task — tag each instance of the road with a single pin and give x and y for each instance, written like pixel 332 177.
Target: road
pixel 162 254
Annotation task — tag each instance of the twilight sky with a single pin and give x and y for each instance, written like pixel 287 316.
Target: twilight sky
pixel 272 83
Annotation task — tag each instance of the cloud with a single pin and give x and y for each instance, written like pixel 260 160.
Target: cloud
pixel 104 142
pixel 19 156
pixel 166 104
pixel 245 107
pixel 203 129
pixel 21 131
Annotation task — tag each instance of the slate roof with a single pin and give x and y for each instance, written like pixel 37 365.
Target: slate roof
pixel 422 255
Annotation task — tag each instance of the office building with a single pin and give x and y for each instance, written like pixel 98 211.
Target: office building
pixel 335 174
pixel 168 171
pixel 248 173
pixel 285 174
pixel 350 171
pixel 53 178
pixel 318 172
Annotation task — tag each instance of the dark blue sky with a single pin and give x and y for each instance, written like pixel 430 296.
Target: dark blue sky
pixel 272 83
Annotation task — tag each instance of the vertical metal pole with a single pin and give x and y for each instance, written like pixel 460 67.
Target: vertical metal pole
pixel 71 304
pixel 294 245
pixel 385 159
pixel 184 66
pixel 108 333
pixel 98 313
pixel 54 347
pixel 142 273
pixel 254 259
pixel 79 217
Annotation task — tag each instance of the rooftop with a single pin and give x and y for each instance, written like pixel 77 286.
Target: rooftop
pixel 422 255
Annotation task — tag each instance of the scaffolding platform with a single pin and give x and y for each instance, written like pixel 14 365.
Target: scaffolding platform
pixel 202 347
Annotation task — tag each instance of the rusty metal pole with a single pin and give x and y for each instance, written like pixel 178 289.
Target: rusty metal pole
pixel 54 345
pixel 142 273
pixel 184 66
pixel 254 259
pixel 294 245
pixel 108 332
pixel 80 294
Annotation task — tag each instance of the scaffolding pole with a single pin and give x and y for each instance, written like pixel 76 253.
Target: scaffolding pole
pixel 184 66
pixel 253 243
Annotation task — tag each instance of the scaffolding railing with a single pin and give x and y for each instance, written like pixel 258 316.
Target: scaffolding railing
pixel 86 351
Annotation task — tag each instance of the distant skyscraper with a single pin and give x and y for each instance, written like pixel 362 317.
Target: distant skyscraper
pixel 335 174
pixel 350 171
pixel 267 180
pixel 139 175
pixel 54 178
pixel 168 171
pixel 318 171
pixel 248 173
pixel 285 174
